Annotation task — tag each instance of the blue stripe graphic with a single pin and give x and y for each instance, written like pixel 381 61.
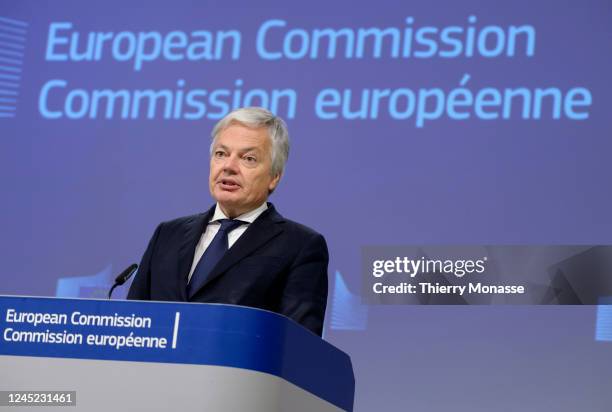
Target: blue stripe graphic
pixel 10 76
pixel 8 44
pixel 347 311
pixel 12 37
pixel 11 61
pixel 12 29
pixel 603 327
pixel 7 84
pixel 10 69
pixel 13 34
pixel 11 53
pixel 13 22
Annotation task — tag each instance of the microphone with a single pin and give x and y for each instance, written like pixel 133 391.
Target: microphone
pixel 123 277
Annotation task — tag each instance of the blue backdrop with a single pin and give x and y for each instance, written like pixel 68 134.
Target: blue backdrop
pixel 438 122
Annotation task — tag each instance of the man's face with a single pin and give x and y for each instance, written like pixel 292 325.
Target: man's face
pixel 240 165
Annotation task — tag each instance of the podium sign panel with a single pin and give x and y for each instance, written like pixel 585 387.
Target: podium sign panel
pixel 135 355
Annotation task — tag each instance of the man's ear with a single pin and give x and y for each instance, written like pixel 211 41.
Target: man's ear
pixel 274 183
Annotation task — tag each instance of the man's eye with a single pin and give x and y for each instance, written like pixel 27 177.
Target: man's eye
pixel 219 154
pixel 250 159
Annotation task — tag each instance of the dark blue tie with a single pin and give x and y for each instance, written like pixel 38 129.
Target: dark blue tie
pixel 212 255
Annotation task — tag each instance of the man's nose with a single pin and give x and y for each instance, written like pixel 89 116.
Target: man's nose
pixel 230 164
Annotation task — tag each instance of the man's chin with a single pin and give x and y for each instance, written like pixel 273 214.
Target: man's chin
pixel 228 199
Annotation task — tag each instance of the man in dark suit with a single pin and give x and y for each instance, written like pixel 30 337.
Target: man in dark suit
pixel 241 251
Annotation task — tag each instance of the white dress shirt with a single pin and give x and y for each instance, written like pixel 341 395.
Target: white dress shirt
pixel 213 227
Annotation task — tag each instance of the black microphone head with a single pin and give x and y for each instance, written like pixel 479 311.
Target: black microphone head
pixel 126 274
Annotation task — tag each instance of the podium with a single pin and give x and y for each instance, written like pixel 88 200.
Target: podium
pixel 169 356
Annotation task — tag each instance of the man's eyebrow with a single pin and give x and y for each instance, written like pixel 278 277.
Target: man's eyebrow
pixel 250 149
pixel 242 150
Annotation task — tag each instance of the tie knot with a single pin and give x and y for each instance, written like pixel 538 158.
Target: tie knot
pixel 227 225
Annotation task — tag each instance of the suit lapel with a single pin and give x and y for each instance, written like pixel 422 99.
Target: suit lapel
pixel 193 231
pixel 262 230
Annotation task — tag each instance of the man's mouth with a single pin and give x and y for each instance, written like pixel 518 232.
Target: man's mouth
pixel 228 184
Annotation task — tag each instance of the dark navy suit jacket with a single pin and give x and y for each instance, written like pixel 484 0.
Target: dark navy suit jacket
pixel 276 264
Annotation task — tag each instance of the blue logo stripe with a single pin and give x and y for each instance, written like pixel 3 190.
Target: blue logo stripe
pixel 11 45
pixel 13 22
pixel 12 29
pixel 603 328
pixel 13 34
pixel 10 76
pixel 11 61
pixel 12 37
pixel 11 53
pixel 347 311
pixel 9 84
pixel 10 69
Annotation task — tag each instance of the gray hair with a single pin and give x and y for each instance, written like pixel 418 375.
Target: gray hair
pixel 256 117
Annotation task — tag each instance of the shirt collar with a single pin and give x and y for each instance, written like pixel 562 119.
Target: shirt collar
pixel 248 217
